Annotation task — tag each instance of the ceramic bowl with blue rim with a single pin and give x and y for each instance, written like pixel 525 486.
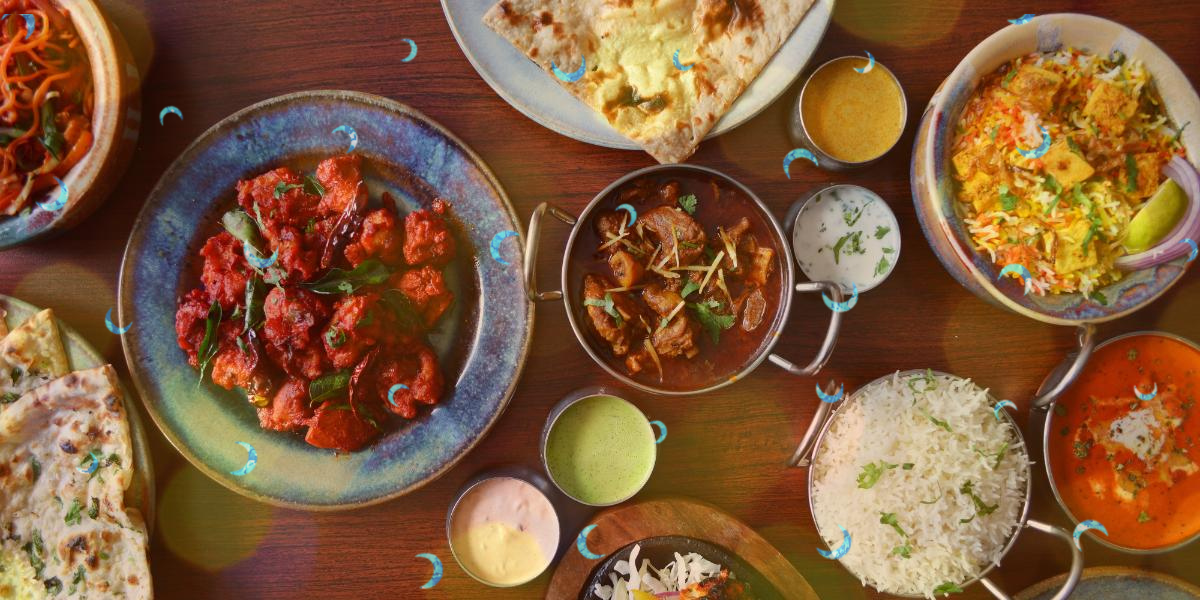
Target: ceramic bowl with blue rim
pixel 933 184
pixel 481 342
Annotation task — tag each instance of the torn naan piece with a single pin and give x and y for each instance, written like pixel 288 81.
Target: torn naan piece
pixel 630 46
pixel 3 322
pixel 66 460
pixel 31 355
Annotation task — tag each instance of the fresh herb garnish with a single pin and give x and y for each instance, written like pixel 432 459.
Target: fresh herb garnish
pixel 73 514
pixel 1132 354
pixel 904 551
pixel 53 586
pixel 312 186
pixel 407 316
pixel 283 187
pixel 852 217
pixel 94 511
pixel 1073 145
pixel 608 305
pixel 881 231
pixel 1082 449
pixel 890 519
pixel 341 281
pixel 335 337
pixel 208 346
pixel 948 587
pixel 9 397
pixel 1131 173
pixel 937 421
pixel 688 203
pixel 35 548
pixel 995 130
pixel 1098 297
pixel 999 455
pixel 79 577
pixel 52 139
pixel 882 266
pixel 982 509
pixel 871 473
pixel 854 238
pixel 1143 517
pixel 328 386
pixel 928 378
pixel 1008 201
pixel 688 288
pixel 907 466
pixel 1179 134
pixel 712 322
pixel 36 467
pixel 241 226
pixel 1012 72
pixel 1080 198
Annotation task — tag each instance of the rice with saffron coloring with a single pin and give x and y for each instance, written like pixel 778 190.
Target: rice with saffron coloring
pixel 929 484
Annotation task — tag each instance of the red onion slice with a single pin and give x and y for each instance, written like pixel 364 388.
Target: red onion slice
pixel 1172 246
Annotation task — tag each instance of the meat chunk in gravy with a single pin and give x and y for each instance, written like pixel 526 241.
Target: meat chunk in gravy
pixel 612 329
pixel 669 227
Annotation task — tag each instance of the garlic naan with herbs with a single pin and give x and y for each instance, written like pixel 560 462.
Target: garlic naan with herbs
pixel 31 355
pixel 629 47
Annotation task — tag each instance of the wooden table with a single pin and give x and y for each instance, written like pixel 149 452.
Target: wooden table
pixel 728 448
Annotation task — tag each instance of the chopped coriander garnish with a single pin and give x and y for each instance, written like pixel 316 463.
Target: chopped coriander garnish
pixel 712 322
pixel 1131 173
pixel 1007 200
pixel 850 217
pixel 890 519
pixel 608 305
pixel 1132 354
pixel 937 421
pixel 1099 298
pixel 904 551
pixel 73 514
pixel 881 231
pixel 907 466
pixel 928 378
pixel 1143 517
pixel 688 288
pixel 94 511
pixel 9 397
pixel 882 266
pixel 948 587
pixel 688 203
pixel 854 239
pixel 871 473
pixel 982 509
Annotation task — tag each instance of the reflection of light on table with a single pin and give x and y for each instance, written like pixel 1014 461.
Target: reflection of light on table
pixel 1178 306
pixel 208 525
pixel 921 23
pixel 78 295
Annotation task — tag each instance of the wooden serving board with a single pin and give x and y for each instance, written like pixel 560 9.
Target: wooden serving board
pixel 623 525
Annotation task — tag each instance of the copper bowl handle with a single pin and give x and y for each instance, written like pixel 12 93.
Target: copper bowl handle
pixel 1070 368
pixel 531 250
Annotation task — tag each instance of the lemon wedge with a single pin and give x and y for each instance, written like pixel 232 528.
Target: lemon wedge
pixel 1157 218
pixel 640 595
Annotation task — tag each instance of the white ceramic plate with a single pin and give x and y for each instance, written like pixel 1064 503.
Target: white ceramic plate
pixel 535 93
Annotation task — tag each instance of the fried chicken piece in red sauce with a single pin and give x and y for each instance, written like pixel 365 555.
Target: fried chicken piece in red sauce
pixel 292 331
pixel 426 290
pixel 419 371
pixel 234 367
pixel 225 271
pixel 190 321
pixel 341 176
pixel 335 427
pixel 299 260
pixel 358 324
pixel 294 207
pixel 288 409
pixel 379 237
pixel 427 238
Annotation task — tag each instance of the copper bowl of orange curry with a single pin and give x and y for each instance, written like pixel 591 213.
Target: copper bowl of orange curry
pixel 1122 440
pixel 678 280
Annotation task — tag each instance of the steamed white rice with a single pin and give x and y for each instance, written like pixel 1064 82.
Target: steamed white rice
pixel 922 468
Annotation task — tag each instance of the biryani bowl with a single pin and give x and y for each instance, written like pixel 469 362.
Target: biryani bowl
pixel 933 184
pixel 822 448
pixel 750 356
pixel 116 121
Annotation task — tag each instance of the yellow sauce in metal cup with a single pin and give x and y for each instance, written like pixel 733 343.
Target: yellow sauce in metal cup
pixel 851 117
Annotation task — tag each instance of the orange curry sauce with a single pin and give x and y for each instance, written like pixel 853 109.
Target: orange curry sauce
pixel 1132 465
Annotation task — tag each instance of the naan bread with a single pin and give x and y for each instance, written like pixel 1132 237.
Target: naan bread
pixel 72 527
pixel 31 355
pixel 631 78
pixel 3 323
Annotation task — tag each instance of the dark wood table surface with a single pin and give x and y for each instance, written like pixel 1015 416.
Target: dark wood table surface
pixel 211 58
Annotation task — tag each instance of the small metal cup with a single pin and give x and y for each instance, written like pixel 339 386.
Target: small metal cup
pixel 571 400
pixel 799 133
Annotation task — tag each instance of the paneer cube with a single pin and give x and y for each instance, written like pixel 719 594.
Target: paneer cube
pixel 980 191
pixel 1065 165
pixel 1149 175
pixel 1110 107
pixel 1073 255
pixel 971 159
pixel 1036 87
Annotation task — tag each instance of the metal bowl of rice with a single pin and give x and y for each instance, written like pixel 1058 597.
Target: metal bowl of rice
pixel 920 485
pixel 1021 216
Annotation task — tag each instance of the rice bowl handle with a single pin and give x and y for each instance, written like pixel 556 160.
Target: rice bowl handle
pixel 831 333
pixel 1073 575
pixel 1065 374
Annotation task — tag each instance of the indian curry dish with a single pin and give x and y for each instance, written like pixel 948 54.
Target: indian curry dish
pixel 682 296
pixel 318 306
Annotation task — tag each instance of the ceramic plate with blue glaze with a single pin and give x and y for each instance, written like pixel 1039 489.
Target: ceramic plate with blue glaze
pixel 482 342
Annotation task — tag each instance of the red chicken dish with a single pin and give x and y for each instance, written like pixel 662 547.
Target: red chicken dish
pixel 684 295
pixel 318 306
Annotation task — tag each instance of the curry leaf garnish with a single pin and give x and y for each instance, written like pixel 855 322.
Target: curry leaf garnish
pixel 327 386
pixel 73 514
pixel 208 346
pixel 890 519
pixel 241 226
pixel 283 187
pixel 608 305
pixel 52 139
pixel 1131 173
pixel 335 337
pixel 712 322
pixel 407 316
pixel 871 473
pixel 341 281
pixel 948 587
pixel 255 295
pixel 312 186
pixel 688 203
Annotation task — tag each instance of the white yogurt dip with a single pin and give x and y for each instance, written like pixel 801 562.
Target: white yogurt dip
pixel 848 235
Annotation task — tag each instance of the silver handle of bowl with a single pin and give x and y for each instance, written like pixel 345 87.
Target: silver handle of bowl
pixel 1068 586
pixel 831 334
pixel 531 249
pixel 801 458
pixel 1073 366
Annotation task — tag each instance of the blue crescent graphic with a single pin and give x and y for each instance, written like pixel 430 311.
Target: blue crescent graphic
pixel 831 399
pixel 1192 243
pixel 349 131
pixel 1019 269
pixel 581 544
pixel 1146 397
pixel 91 467
pixel 1086 525
pixel 1023 19
pixel 841 550
pixel 662 436
pixel 257 261
pixel 496 240
pixel 170 110
pixel 569 77
pixel 58 203
pixel 632 213
pixel 680 66
pixel 411 55
pixel 870 65
pixel 251 461
pixel 793 155
pixel 392 393
pixel 1040 150
pixel 1001 404
pixel 30 23
pixel 113 328
pixel 844 305
pixel 437 569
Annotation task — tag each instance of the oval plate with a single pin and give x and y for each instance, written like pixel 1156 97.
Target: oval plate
pixel 81 355
pixel 405 154
pixel 538 96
